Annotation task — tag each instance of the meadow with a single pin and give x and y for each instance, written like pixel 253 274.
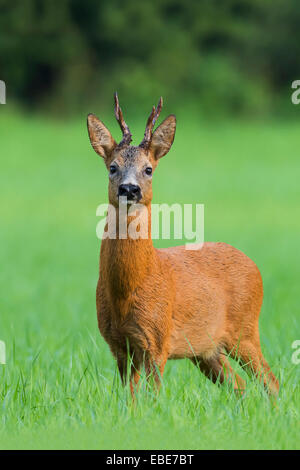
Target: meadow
pixel 59 387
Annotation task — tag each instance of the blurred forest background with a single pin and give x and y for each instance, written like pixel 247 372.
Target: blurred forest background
pixel 232 56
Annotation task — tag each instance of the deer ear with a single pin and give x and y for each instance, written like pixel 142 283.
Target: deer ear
pixel 163 137
pixel 101 139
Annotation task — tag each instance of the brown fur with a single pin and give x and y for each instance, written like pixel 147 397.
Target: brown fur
pixel 174 303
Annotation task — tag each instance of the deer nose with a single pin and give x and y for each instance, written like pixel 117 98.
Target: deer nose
pixel 131 191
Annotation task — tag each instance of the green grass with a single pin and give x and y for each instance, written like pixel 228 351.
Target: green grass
pixel 59 388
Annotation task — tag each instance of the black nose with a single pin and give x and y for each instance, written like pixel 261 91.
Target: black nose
pixel 131 191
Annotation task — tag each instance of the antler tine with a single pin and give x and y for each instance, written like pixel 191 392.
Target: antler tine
pixel 150 124
pixel 127 136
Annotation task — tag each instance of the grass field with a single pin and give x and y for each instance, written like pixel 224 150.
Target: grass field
pixel 59 387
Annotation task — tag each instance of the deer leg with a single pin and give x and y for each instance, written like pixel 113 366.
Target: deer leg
pixel 134 374
pixel 135 377
pixel 254 362
pixel 122 366
pixel 239 383
pixel 218 368
pixel 155 369
pixel 152 370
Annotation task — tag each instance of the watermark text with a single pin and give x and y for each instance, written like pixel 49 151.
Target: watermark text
pixel 2 353
pixel 2 92
pixel 163 221
pixel 296 354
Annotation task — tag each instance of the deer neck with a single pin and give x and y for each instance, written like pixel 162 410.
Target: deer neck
pixel 128 258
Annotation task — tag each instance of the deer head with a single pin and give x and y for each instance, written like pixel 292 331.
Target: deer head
pixel 131 167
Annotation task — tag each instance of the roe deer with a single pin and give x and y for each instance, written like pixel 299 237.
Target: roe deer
pixel 171 303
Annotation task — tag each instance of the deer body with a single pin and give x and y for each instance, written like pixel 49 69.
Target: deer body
pixel 172 303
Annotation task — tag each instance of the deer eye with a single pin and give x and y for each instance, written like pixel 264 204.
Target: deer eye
pixel 148 170
pixel 112 169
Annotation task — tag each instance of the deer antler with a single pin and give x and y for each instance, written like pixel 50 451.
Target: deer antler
pixel 127 136
pixel 150 124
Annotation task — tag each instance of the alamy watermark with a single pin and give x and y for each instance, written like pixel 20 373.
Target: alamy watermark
pixel 133 221
pixel 296 354
pixel 295 97
pixel 2 92
pixel 2 353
